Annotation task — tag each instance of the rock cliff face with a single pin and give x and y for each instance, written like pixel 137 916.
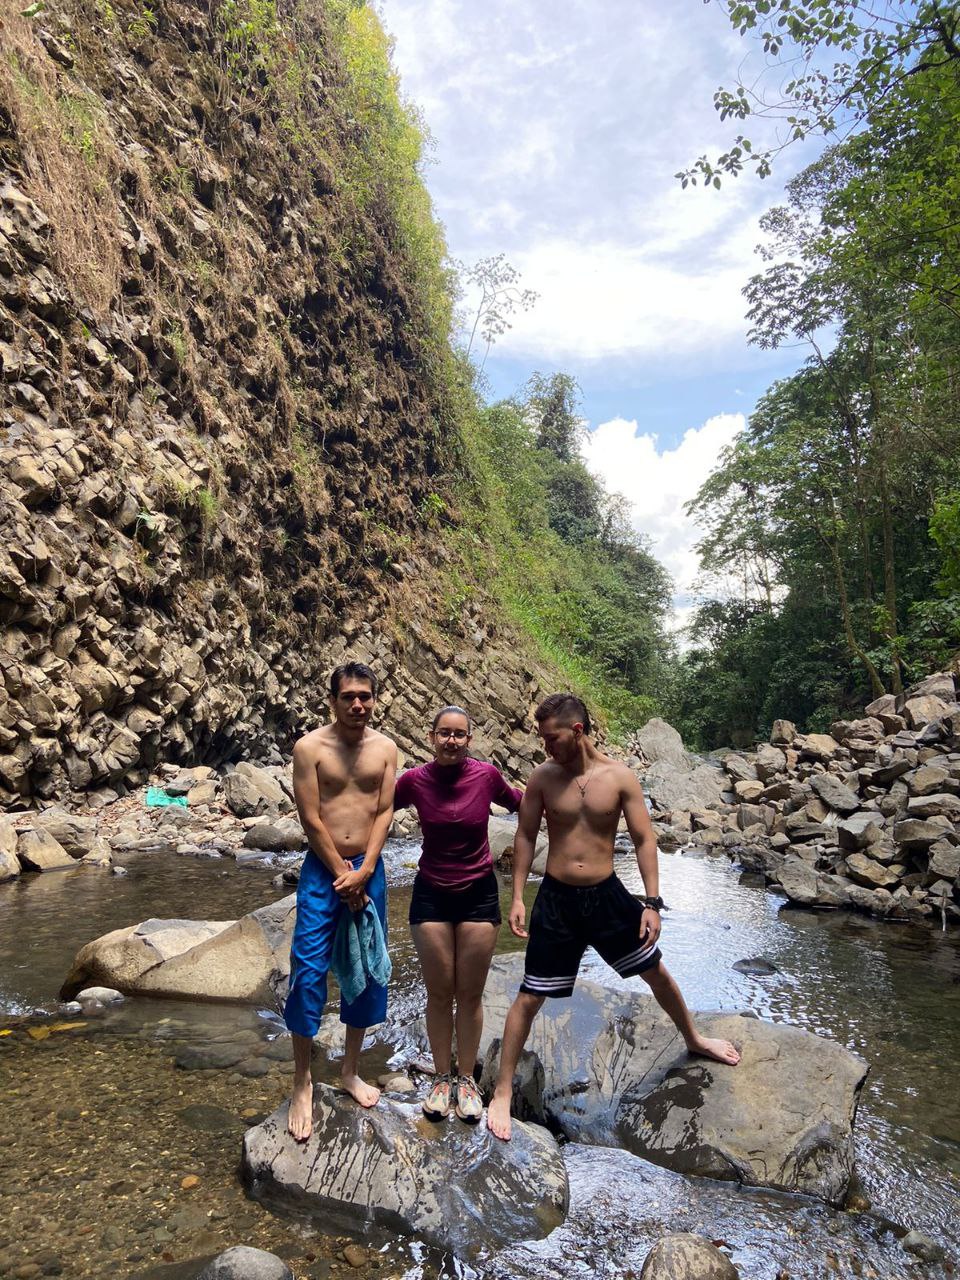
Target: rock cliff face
pixel 223 453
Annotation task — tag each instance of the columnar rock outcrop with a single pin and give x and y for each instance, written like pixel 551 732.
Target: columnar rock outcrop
pixel 221 447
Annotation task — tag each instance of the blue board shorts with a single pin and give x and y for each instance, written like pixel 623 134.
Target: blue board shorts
pixel 318 914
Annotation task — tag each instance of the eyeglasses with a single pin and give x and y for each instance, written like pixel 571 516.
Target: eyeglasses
pixel 458 735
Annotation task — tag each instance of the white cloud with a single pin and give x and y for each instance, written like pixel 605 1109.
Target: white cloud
pixel 657 483
pixel 605 299
pixel 558 137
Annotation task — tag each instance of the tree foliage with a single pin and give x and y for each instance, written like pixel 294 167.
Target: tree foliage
pixel 829 66
pixel 836 514
pixel 569 566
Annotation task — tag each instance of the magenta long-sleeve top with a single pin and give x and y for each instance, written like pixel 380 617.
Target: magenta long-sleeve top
pixel 453 805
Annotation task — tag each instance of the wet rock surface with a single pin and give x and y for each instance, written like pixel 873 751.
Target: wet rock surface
pixel 685 1256
pixel 621 1206
pixel 453 1185
pixel 611 1069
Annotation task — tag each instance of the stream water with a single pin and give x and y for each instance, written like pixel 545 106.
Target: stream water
pixel 120 1135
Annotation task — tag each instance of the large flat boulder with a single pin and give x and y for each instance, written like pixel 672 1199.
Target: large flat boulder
pixel 77 833
pixel 610 1069
pixel 240 960
pixel 456 1187
pixel 39 851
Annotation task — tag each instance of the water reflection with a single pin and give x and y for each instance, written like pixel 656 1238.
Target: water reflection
pixel 888 992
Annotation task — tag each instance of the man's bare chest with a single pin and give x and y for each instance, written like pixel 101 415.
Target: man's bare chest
pixel 575 803
pixel 342 772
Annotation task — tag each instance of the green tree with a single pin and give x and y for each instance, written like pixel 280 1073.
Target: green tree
pixel 829 66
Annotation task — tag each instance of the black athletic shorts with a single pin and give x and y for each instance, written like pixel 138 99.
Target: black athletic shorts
pixel 479 901
pixel 567 918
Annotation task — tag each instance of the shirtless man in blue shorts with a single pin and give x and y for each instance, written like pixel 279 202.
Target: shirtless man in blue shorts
pixel 343 780
pixel 581 901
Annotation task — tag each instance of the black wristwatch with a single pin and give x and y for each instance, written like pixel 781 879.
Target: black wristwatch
pixel 654 904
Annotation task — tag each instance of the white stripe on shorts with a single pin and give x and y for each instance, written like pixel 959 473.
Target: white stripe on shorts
pixel 635 957
pixel 548 984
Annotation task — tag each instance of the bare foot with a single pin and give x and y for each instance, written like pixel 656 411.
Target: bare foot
pixel 360 1091
pixel 718 1050
pixel 498 1117
pixel 300 1111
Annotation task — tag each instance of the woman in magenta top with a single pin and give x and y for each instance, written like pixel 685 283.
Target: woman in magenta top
pixel 455 907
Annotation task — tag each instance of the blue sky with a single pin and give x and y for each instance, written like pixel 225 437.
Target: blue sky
pixel 558 129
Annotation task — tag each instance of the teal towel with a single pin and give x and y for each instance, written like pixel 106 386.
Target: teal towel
pixel 360 953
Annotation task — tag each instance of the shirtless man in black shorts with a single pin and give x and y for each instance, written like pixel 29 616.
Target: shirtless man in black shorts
pixel 581 901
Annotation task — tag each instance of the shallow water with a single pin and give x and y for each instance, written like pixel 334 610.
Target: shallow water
pixel 890 993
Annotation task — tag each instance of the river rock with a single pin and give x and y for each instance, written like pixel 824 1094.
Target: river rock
pixel 98 855
pixel 919 833
pixel 285 835
pixel 807 887
pixel 103 995
pixel 243 796
pixel 923 1247
pixel 245 960
pixel 817 746
pixel 39 851
pixel 660 741
pixel 75 832
pixel 687 1257
pixel 944 861
pixel 929 779
pixel 616 1073
pixel 202 793
pixel 245 1263
pixel 931 806
pixel 770 761
pixel 872 875
pixel 834 793
pixel 783 733
pixel 887 702
pixel 740 770
pixel 859 830
pixel 266 783
pixel 502 833
pixel 672 784
pixel 748 791
pixel 9 862
pixel 456 1187
pixel 887 773
pixel 756 966
pixel 919 711
pixel 878 902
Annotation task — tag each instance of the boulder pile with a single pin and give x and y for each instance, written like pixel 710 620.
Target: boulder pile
pixel 866 816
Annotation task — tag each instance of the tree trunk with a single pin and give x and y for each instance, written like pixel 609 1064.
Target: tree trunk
pixel 876 684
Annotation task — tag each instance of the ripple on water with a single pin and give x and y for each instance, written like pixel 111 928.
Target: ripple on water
pixel 890 993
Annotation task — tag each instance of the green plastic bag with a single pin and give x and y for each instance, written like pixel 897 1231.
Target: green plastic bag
pixel 157 796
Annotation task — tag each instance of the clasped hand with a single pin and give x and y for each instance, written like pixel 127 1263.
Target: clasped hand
pixel 350 886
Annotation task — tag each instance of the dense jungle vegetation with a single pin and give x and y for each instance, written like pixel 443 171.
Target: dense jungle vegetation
pixel 832 526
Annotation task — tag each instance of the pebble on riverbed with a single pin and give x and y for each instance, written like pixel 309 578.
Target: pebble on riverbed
pixel 244 1263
